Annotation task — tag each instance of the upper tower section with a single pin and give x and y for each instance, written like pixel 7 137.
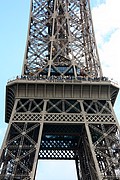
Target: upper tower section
pixel 61 40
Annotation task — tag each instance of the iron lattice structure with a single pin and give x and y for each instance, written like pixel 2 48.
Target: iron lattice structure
pixel 61 107
pixel 61 40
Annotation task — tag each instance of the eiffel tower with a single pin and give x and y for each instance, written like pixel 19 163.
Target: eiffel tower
pixel 61 107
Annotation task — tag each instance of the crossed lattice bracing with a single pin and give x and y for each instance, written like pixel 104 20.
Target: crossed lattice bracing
pixel 61 141
pixel 61 40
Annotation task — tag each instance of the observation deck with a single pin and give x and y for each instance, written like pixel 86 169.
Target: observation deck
pixel 59 88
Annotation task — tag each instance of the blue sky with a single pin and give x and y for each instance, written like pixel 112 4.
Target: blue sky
pixel 14 17
pixel 13 30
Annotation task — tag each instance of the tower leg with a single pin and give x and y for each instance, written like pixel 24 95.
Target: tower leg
pixel 20 151
pixel 77 162
pixel 93 154
pixel 85 159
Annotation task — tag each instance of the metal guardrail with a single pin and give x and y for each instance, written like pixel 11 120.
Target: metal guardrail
pixel 63 79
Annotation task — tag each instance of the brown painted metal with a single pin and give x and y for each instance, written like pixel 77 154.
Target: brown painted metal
pixel 61 107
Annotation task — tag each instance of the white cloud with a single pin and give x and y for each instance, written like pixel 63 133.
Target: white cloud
pixel 56 169
pixel 110 56
pixel 106 20
pixel 106 17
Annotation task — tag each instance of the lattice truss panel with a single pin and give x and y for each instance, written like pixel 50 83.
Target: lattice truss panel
pixel 106 144
pixel 65 110
pixel 19 151
pixel 98 111
pixel 60 141
pixel 61 39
